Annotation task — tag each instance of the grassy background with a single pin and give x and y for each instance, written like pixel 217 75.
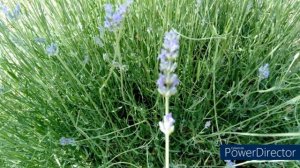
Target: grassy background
pixel 223 43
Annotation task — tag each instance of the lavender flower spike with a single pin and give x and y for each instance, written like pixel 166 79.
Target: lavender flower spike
pixel 264 71
pixel 167 125
pixel 113 18
pixel 168 81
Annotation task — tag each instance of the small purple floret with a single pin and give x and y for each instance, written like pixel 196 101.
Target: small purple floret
pixel 264 71
pixel 52 49
pixel 67 141
pixel 167 125
pixel 229 164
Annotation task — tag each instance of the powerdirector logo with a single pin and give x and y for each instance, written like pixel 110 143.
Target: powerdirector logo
pixel 260 152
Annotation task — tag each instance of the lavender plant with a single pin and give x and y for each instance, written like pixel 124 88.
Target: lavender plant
pixel 167 83
pixel 75 87
pixel 112 23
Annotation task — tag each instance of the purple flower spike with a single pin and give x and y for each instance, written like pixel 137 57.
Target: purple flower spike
pixel 168 81
pixel 113 18
pixel 161 81
pixel 167 125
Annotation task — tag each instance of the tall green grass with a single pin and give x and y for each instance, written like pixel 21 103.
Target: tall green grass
pixel 223 43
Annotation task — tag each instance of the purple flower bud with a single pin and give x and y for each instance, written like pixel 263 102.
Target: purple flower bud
pixel 167 125
pixel 207 124
pixel 122 9
pixel 161 80
pixel 5 9
pixel 167 84
pixel 229 164
pixel 162 56
pixel 172 80
pixel 117 18
pixel 67 141
pixel 264 71
pixel 107 24
pixel 171 44
pixel 52 49
pixel 167 67
pixel 108 9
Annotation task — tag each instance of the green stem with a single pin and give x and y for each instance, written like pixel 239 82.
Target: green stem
pixel 167 106
pixel 216 59
pixel 167 157
pixel 118 53
pixel 167 142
